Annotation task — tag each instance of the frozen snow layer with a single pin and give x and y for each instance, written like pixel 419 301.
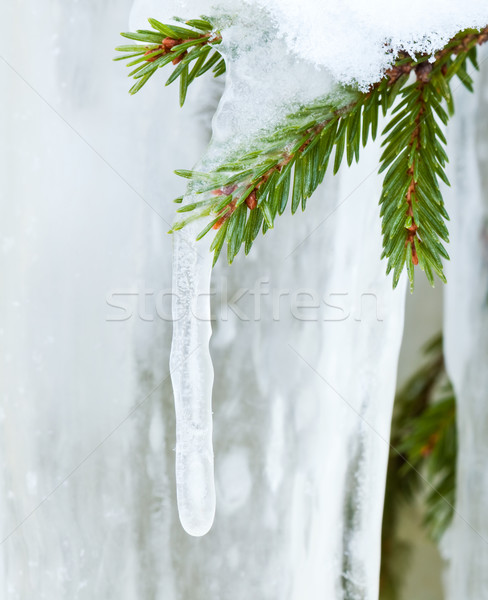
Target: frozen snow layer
pixel 350 37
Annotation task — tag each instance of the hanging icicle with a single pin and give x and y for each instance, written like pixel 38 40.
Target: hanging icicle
pixel 192 377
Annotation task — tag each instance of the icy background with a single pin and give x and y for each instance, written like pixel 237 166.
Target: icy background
pixel 301 416
pixel 466 339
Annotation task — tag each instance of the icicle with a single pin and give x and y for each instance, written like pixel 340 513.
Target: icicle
pixel 466 339
pixel 192 377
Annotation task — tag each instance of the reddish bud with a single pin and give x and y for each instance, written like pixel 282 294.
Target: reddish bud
pixel 251 200
pixel 169 43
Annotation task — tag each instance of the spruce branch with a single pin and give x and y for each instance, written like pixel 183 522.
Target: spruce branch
pixel 181 46
pixel 422 461
pixel 286 164
pixel 412 205
pixel 243 196
pixel 291 162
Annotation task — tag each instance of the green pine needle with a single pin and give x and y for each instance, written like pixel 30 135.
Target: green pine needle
pixel 422 464
pixel 185 47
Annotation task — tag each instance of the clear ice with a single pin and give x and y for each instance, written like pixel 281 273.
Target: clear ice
pixel 192 377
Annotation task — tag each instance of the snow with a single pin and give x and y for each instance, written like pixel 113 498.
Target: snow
pixel 349 38
pixel 353 40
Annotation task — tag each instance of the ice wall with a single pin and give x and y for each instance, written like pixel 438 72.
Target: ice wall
pixel 466 338
pixel 303 328
pixel 85 451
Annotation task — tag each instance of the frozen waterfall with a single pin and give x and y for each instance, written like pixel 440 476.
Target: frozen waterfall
pixel 306 334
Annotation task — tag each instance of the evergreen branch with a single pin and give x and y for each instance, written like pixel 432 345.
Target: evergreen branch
pixel 289 163
pixel 286 164
pixel 244 196
pixel 412 206
pixel 181 46
pixel 422 461
pixel 432 446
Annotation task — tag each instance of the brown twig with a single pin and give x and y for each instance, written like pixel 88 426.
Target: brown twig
pixel 168 44
pixel 423 71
